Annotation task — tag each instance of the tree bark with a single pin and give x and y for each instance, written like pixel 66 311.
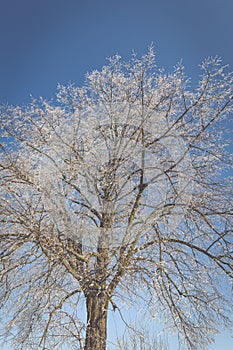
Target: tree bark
pixel 97 310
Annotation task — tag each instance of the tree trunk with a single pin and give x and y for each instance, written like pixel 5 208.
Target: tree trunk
pixel 97 310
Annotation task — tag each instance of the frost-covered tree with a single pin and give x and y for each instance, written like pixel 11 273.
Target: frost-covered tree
pixel 113 194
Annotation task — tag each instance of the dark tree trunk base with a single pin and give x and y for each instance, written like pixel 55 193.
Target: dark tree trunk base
pixel 97 310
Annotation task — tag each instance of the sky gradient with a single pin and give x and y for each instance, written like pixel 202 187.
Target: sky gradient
pixel 46 42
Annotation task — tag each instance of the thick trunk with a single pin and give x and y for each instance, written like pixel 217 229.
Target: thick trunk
pixel 96 332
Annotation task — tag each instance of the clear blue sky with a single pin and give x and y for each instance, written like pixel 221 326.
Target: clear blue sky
pixel 43 42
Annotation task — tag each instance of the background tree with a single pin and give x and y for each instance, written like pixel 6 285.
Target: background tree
pixel 115 192
pixel 141 338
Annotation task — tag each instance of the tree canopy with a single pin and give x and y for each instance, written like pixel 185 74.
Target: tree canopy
pixel 117 191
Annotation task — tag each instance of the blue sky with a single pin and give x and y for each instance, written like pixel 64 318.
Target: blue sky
pixel 48 41
pixel 44 42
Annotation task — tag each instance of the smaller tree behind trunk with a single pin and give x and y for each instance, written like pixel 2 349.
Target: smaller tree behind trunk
pixel 141 339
